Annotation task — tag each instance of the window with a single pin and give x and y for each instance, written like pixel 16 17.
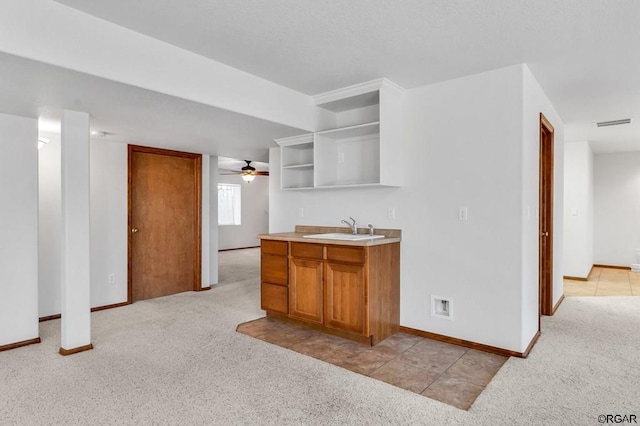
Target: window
pixel 229 204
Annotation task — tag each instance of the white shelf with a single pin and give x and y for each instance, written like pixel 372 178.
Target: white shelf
pixel 357 151
pixel 299 166
pixel 299 188
pixel 352 185
pixel 365 129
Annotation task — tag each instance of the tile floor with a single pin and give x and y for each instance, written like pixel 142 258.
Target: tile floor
pixel 451 374
pixel 605 282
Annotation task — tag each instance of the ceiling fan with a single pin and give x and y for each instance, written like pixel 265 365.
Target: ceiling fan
pixel 247 172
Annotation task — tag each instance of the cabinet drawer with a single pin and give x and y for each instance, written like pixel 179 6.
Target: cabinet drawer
pixel 273 269
pixel 346 254
pixel 274 298
pixel 274 247
pixel 307 250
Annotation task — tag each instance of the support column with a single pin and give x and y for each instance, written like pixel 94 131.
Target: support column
pixel 213 220
pixel 206 224
pixel 76 273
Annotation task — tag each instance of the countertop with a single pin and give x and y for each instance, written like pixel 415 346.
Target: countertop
pixel 391 236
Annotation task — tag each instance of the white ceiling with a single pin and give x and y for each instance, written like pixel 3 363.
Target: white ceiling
pixel 581 51
pixel 226 164
pixel 132 115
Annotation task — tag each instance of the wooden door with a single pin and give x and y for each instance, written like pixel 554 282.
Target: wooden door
pixel 345 297
pixel 164 222
pixel 545 256
pixel 305 289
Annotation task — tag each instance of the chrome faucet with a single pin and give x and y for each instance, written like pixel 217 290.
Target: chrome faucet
pixel 353 226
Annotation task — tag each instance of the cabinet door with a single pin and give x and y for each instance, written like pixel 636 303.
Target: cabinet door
pixel 273 269
pixel 274 298
pixel 345 301
pixel 305 289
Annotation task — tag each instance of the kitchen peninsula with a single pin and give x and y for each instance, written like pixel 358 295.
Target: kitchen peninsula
pixel 346 285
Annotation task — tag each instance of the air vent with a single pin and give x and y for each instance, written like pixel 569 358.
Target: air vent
pixel 614 122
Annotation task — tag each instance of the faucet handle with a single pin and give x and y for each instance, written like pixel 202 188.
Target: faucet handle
pixel 370 226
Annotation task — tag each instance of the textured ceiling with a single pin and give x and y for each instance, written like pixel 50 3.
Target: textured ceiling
pixel 581 51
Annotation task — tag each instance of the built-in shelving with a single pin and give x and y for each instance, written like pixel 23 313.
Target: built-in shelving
pixel 299 166
pixel 362 148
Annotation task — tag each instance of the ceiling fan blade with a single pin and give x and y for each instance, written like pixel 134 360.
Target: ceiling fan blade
pixel 261 173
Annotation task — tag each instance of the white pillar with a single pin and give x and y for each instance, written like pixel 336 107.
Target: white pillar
pixel 206 223
pixel 75 306
pixel 213 220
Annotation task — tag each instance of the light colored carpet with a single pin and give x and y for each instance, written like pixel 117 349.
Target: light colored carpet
pixel 177 360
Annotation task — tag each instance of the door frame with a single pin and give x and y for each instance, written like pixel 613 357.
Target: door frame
pixel 546 165
pixel 197 240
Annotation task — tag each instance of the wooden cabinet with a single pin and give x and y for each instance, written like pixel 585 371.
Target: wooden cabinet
pixel 351 291
pixel 274 277
pixel 345 298
pixel 306 289
pixel 360 143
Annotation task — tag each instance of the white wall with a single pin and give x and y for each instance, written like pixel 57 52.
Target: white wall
pixel 108 222
pixel 464 147
pixel 18 229
pixel 109 227
pixel 255 214
pixel 535 102
pixel 212 216
pixel 50 231
pixel 578 209
pixel 616 208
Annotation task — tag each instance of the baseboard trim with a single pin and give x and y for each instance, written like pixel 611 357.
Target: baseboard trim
pixel 96 309
pixel 555 308
pixel 115 305
pixel 204 288
pixel 533 341
pixel 49 318
pixel 239 248
pixel 572 278
pixel 19 344
pixel 628 268
pixel 465 343
pixel 65 352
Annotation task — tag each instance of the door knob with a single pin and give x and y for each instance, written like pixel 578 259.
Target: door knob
pixel 134 230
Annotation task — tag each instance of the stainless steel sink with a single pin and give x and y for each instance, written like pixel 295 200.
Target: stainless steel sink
pixel 344 237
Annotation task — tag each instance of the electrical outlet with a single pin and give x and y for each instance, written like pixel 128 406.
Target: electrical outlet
pixel 111 278
pixel 301 212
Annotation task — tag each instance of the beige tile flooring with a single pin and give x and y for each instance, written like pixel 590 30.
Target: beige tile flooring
pixel 605 282
pixel 449 373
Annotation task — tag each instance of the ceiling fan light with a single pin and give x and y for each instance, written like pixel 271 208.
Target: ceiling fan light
pixel 248 177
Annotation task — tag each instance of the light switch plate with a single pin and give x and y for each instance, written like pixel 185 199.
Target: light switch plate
pixel 462 213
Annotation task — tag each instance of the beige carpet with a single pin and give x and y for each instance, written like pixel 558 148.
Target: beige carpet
pixel 178 360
